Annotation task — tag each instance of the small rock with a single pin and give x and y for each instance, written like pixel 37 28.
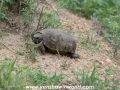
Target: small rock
pixel 43 58
pixel 108 60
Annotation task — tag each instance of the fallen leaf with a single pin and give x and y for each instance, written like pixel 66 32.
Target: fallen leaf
pixel 70 26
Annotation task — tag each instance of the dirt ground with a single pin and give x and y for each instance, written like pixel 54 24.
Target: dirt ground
pixel 49 62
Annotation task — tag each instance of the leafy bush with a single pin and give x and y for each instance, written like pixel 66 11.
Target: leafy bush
pixel 27 12
pixel 102 8
pixel 113 30
pixel 14 6
pixel 4 7
pixel 50 20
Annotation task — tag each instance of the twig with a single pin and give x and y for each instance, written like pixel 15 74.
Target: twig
pixel 39 19
pixel 8 47
pixel 1 6
pixel 58 54
pixel 19 7
pixel 35 9
pixel 29 21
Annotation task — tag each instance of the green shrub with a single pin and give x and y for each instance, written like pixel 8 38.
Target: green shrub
pixel 113 30
pixel 15 6
pixel 107 11
pixel 28 11
pixel 4 8
pixel 102 8
pixel 50 20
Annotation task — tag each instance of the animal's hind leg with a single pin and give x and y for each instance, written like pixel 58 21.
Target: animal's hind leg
pixel 42 48
pixel 74 55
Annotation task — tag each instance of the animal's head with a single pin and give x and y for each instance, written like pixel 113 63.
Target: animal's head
pixel 37 37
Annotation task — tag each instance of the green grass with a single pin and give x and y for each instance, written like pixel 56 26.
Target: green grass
pixel 28 12
pixel 90 41
pixel 11 76
pixel 15 76
pixel 107 12
pixel 113 30
pixel 20 52
pixel 39 78
pixel 93 79
pixel 102 8
pixel 31 50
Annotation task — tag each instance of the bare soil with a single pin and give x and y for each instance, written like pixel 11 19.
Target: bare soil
pixel 15 40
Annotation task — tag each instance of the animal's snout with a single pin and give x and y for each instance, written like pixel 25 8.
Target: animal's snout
pixel 35 36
